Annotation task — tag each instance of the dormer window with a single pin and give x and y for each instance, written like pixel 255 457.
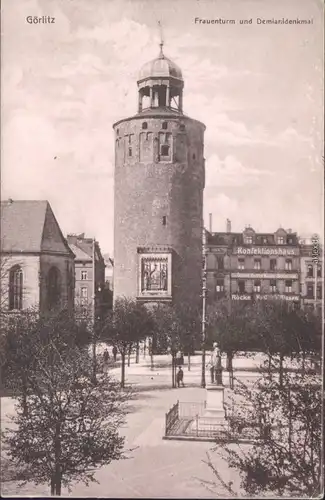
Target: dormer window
pixel 182 127
pixel 280 240
pixel 164 125
pixel 248 240
pixel 145 125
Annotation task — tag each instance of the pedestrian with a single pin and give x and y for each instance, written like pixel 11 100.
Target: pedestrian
pixel 229 368
pixel 114 352
pixel 180 377
pixel 105 358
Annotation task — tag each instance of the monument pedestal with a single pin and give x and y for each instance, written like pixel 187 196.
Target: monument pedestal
pixel 215 402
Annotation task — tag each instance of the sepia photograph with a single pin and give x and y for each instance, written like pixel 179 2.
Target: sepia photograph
pixel 162 244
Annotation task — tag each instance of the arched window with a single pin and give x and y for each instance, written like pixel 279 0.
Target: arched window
pixel 15 288
pixel 164 125
pixel 53 288
pixel 182 127
pixel 145 125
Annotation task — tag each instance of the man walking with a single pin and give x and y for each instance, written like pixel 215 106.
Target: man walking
pixel 180 377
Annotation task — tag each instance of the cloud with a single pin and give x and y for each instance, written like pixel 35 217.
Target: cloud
pixel 231 172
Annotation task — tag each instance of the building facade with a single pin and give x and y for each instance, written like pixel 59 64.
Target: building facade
pixel 37 265
pixel 251 266
pixel 159 182
pixel 311 273
pixel 89 274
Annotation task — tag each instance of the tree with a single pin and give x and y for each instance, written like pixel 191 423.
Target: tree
pixel 71 425
pixel 178 328
pixel 21 335
pixel 129 323
pixel 286 457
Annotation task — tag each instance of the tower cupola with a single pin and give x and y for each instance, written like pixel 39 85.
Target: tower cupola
pixel 160 84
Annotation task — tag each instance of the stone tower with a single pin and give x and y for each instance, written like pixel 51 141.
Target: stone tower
pixel 159 182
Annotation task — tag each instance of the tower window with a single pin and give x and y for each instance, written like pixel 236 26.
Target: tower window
pixel 130 151
pixel 145 125
pixel 164 220
pixel 164 150
pixel 182 127
pixel 164 125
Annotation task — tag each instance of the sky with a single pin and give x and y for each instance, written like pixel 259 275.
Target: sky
pixel 257 87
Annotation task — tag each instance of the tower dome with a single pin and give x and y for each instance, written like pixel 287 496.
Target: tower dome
pixel 161 67
pixel 160 81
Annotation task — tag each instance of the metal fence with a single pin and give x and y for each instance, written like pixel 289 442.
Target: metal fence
pixel 187 419
pixel 171 418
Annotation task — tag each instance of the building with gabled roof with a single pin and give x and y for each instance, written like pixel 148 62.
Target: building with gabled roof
pixel 37 265
pixel 89 274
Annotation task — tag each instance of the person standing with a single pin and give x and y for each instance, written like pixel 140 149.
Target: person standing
pixel 180 377
pixel 114 352
pixel 106 358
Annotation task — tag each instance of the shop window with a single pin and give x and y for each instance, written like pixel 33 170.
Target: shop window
pixel 241 286
pixel 257 286
pixel 288 286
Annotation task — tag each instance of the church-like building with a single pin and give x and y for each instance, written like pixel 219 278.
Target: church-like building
pixel 159 183
pixel 37 265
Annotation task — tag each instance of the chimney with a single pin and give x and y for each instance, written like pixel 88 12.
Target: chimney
pixel 228 226
pixel 210 223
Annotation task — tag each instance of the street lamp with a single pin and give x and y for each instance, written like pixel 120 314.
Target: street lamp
pixel 204 295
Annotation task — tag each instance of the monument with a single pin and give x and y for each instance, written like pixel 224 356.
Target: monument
pixel 215 389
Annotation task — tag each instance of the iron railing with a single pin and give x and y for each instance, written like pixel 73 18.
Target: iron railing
pixel 171 418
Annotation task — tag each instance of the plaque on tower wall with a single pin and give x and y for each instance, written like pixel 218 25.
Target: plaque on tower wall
pixel 155 278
